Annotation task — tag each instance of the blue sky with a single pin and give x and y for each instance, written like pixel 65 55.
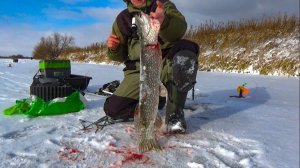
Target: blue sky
pixel 24 22
pixel 54 13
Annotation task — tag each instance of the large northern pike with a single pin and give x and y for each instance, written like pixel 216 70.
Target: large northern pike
pixel 146 117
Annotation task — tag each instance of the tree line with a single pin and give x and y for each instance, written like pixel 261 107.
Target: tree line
pixel 15 56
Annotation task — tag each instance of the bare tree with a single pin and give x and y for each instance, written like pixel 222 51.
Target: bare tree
pixel 52 46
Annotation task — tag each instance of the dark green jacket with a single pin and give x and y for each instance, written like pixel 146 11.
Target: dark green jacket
pixel 172 29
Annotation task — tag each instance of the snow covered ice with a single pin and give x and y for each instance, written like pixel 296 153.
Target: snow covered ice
pixel 261 130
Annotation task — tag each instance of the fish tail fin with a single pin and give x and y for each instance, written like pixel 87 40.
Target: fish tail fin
pixel 149 144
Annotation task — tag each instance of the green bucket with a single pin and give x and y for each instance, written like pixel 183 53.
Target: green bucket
pixel 55 68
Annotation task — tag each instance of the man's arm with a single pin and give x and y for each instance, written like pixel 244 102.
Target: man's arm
pixel 174 25
pixel 116 46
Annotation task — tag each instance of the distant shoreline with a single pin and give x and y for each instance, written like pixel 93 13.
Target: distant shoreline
pixel 9 57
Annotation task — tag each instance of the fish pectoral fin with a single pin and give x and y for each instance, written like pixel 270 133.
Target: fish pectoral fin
pixel 149 144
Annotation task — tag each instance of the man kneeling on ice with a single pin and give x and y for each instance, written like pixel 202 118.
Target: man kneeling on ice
pixel 179 67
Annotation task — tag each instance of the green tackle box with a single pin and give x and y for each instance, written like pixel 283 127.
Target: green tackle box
pixel 55 68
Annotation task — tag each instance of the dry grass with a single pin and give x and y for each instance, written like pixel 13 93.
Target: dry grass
pixel 244 33
pixel 232 46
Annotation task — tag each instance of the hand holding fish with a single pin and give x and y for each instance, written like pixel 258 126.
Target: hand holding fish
pixel 159 13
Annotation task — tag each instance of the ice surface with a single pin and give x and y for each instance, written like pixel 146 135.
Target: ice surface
pixel 261 130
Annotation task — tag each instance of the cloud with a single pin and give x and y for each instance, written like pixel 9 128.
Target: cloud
pixel 93 24
pixel 106 13
pixel 18 40
pixel 81 13
pixel 216 7
pixel 86 35
pixel 199 11
pixel 22 39
pixel 63 13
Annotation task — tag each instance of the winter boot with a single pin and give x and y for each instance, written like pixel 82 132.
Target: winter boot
pixel 174 111
pixel 184 72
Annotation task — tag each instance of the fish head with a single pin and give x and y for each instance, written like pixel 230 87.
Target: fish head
pixel 148 28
